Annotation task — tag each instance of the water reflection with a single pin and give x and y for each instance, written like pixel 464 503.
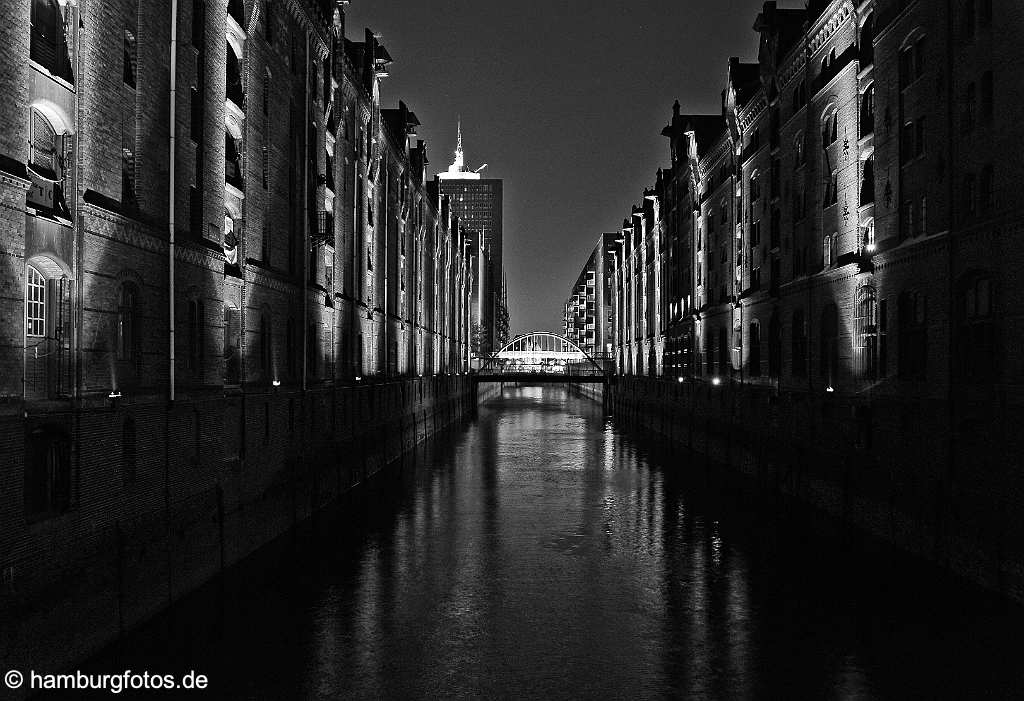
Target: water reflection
pixel 542 552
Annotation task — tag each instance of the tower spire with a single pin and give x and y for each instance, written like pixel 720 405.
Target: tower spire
pixel 458 170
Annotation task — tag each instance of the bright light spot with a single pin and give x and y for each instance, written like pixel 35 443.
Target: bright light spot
pixel 830 388
pixel 679 379
pixel 716 381
pixel 871 248
pixel 276 383
pixel 114 395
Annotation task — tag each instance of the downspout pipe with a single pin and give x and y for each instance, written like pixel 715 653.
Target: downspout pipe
pixel 305 225
pixel 172 150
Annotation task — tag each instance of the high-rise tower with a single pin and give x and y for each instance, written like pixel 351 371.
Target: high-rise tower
pixel 478 203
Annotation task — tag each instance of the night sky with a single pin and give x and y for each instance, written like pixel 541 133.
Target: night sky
pixel 564 100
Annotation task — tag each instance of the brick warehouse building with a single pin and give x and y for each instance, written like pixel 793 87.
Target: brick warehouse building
pixel 316 280
pixel 830 256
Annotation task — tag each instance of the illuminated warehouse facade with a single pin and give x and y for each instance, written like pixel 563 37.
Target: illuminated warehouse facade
pixel 828 264
pixel 223 243
pixel 838 225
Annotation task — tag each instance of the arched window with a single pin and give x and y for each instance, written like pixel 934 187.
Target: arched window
pixel 866 242
pixel 867 181
pixel 230 243
pixel 826 251
pixel 830 196
pixel 49 364
pixel 867 111
pixel 35 303
pixel 830 127
pixel 912 60
pixel 232 161
pixel 126 323
pixel 866 331
pixel 829 351
pixel 754 351
pixel 799 350
pixel 867 42
pixel 799 150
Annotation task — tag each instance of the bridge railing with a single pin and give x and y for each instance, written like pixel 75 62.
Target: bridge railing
pixel 518 366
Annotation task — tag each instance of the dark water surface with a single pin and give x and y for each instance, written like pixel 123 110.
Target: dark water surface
pixel 542 552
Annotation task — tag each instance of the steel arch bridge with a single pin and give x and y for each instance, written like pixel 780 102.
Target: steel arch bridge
pixel 540 356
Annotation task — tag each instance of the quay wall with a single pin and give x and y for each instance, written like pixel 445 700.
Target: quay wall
pixel 211 479
pixel 894 469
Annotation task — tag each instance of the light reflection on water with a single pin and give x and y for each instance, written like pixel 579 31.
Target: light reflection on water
pixel 540 552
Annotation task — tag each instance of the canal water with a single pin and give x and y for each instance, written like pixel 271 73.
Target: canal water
pixel 542 552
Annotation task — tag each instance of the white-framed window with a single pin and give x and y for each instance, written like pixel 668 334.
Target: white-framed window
pixel 35 304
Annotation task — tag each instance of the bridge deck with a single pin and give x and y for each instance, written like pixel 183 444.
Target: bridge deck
pixel 538 378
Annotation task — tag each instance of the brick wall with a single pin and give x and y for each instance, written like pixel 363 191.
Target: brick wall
pixel 212 480
pixel 885 467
